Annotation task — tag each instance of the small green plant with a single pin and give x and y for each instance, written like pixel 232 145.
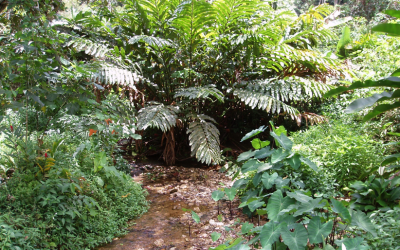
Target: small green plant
pixel 375 193
pixel 194 216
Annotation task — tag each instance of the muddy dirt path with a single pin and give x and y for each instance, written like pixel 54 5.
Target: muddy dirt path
pixel 166 225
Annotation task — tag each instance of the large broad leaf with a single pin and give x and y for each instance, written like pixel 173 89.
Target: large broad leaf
pixel 361 220
pixel 309 163
pixel 294 161
pixel 309 206
pixel 257 143
pixel 362 103
pixel 279 155
pixel 351 243
pixel 393 13
pixel 392 29
pixel 246 155
pixel 263 153
pixel 296 240
pixel 283 140
pixel 240 183
pixel 339 208
pixel 393 82
pixel 269 180
pixel 277 203
pixel 255 204
pixel 381 109
pixel 299 196
pixel 318 231
pixel 251 165
pixel 254 133
pixel 389 159
pixel 217 195
pixel 344 39
pixel 231 193
pixel 257 179
pixel 246 227
pixel 270 233
pixel 264 166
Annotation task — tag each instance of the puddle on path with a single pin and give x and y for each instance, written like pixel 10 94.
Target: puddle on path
pixel 166 226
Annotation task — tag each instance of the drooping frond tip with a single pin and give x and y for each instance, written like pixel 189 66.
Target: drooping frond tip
pixel 204 140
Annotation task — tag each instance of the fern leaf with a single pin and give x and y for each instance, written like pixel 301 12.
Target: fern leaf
pixel 192 18
pixel 90 47
pixel 230 12
pixel 158 116
pixel 200 92
pixel 107 73
pixel 204 140
pixel 152 41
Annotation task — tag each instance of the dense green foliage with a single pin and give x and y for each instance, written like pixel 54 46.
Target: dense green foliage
pixel 65 192
pixel 201 72
pixel 342 150
pixel 268 177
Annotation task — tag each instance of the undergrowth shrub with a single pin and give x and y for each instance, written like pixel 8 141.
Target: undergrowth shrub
pixel 345 152
pixel 388 229
pixel 66 193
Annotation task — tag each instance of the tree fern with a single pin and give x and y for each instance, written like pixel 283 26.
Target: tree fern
pixel 200 92
pixel 204 140
pixel 158 116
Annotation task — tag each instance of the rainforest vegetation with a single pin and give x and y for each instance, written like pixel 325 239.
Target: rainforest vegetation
pixel 296 101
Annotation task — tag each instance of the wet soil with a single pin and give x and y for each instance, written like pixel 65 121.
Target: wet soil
pixel 166 225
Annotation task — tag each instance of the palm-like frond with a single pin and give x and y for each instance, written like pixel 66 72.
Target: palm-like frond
pixel 152 41
pixel 158 116
pixel 192 18
pixel 90 47
pixel 200 92
pixel 230 12
pixel 107 73
pixel 204 140
pixel 158 12
pixel 273 95
pixel 316 13
pixel 264 101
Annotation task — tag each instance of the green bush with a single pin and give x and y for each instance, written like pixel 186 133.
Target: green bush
pixel 345 152
pixel 66 193
pixel 388 229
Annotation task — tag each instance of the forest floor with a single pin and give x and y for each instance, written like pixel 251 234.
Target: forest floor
pixel 166 226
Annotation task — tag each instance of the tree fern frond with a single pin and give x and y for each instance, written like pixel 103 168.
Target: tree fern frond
pixel 192 18
pixel 204 140
pixel 107 73
pixel 152 41
pixel 230 12
pixel 158 116
pixel 200 92
pixel 270 102
pixel 273 95
pixel 90 48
